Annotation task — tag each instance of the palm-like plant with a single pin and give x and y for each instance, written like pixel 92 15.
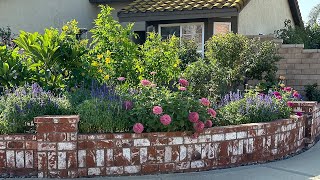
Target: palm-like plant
pixel 314 15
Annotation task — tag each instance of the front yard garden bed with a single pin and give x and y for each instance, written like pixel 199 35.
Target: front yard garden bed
pixel 58 150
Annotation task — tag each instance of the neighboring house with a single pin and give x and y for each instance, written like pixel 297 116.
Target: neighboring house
pixel 197 19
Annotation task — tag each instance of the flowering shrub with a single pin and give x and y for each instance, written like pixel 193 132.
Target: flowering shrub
pixel 159 109
pixel 254 106
pixel 19 106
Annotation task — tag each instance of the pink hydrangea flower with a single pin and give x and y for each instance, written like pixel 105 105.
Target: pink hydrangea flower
pixel 153 73
pixel 127 105
pixel 165 119
pixel 276 93
pixel 157 110
pixel 299 113
pixel 290 104
pixel 212 112
pixel 205 101
pixel 279 97
pixel 138 128
pixel 208 123
pixel 145 82
pixel 183 82
pixel 182 88
pixel 295 94
pixel 193 117
pixel 121 78
pixel 287 89
pixel 199 126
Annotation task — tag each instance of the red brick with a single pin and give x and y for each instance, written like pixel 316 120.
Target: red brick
pixel 152 154
pixel 119 160
pixel 66 127
pixel 135 156
pixel 44 128
pixel 15 145
pixel 56 137
pixel 104 144
pixel 90 159
pixel 150 168
pixel 72 160
pixel 31 145
pixel 155 141
pixel 168 167
pixel 2 159
pixel 175 153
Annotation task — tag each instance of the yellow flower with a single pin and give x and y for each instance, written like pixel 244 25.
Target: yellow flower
pixel 175 65
pixel 99 56
pixel 65 28
pixel 100 70
pixel 106 77
pixel 94 63
pixel 282 85
pixel 108 60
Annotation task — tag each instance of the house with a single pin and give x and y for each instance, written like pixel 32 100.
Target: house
pixel 197 19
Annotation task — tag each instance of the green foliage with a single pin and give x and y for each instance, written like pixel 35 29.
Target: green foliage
pixel 114 54
pixel 177 105
pixel 231 60
pixel 13 71
pixel 312 92
pixel 101 115
pixel 19 107
pixel 188 53
pixel 309 35
pixel 54 58
pixel 254 107
pixel 160 56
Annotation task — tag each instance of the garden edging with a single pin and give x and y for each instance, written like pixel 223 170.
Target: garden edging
pixel 57 150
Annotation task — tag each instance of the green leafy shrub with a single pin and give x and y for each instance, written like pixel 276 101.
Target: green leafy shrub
pixel 13 71
pixel 175 109
pixel 54 58
pixel 231 60
pixel 308 35
pixel 160 56
pixel 312 92
pixel 21 105
pixel 188 53
pixel 113 52
pixel 6 37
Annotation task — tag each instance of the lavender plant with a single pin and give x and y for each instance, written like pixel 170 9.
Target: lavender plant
pixel 19 106
pixel 253 107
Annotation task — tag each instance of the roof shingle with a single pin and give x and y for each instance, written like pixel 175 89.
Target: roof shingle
pixel 142 6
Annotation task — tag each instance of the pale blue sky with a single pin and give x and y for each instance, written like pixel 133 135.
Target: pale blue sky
pixel 306 6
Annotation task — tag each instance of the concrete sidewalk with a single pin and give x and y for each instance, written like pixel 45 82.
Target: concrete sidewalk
pixel 305 166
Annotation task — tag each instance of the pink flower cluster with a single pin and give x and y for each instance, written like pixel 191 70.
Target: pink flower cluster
pixel 127 105
pixel 157 110
pixel 138 128
pixel 121 78
pixel 165 119
pixel 212 112
pixel 145 82
pixel 183 84
pixel 205 101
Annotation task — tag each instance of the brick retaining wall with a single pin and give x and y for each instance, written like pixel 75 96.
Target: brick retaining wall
pixel 57 150
pixel 300 66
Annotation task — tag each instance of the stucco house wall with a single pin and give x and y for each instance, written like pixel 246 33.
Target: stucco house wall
pixel 263 16
pixel 36 15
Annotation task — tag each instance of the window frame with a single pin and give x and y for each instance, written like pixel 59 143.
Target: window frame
pixel 180 35
pixel 217 23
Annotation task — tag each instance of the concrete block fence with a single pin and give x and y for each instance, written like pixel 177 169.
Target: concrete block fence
pixel 300 66
pixel 57 150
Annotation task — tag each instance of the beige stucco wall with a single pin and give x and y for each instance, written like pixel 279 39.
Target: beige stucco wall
pixel 263 16
pixel 35 15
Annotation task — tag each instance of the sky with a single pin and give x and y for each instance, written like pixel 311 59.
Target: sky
pixel 306 6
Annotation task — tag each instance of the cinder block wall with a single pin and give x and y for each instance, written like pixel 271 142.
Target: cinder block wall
pixel 300 66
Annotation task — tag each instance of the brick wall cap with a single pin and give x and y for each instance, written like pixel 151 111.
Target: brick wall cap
pixel 57 119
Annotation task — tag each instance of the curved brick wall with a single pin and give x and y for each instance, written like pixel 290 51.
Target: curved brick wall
pixel 57 150
pixel 218 147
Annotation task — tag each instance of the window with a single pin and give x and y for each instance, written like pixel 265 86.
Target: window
pixel 188 31
pixel 221 27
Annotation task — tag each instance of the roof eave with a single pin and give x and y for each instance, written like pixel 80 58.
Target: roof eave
pixel 296 14
pixel 108 1
pixel 173 15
